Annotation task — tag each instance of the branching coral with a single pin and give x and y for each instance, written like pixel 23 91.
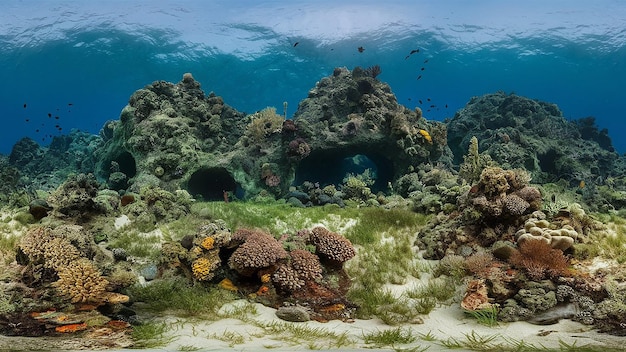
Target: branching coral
pixel 81 282
pixel 331 245
pixel 539 260
pixel 43 247
pixel 264 123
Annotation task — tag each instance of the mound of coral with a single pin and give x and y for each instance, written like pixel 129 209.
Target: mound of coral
pixel 304 269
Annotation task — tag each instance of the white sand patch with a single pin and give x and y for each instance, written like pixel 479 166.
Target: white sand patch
pixel 336 223
pixel 121 221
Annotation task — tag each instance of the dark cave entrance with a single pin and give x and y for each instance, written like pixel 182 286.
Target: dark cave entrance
pixel 331 167
pixel 127 164
pixel 210 184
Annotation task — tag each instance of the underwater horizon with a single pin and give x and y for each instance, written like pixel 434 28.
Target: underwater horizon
pixel 73 65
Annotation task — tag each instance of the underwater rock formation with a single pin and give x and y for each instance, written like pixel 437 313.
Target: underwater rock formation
pixel 519 132
pixel 173 136
pixel 352 113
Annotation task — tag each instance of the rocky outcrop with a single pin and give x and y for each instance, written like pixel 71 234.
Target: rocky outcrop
pixel 173 136
pixel 519 132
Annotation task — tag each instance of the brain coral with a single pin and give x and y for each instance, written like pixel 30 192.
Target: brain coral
pixel 331 245
pixel 81 282
pixel 259 250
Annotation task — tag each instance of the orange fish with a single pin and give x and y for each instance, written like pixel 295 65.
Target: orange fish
pixel 581 185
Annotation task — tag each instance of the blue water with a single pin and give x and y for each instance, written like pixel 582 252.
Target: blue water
pixel 80 61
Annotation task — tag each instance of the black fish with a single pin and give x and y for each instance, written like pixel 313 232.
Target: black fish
pixel 24 105
pixel 49 115
pixel 27 120
pixel 409 99
pixel 426 61
pixel 412 52
pixel 296 44
pixel 420 101
pixel 419 77
pixel 446 106
pixel 70 104
pixel 428 99
pixel 56 117
pixel 37 130
pixel 432 106
pixel 361 49
pixel 422 69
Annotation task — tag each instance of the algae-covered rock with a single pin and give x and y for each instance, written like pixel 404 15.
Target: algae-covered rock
pixel 352 113
pixel 519 132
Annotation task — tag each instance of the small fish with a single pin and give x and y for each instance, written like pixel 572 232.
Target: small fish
pixel 361 49
pixel 27 120
pixel 432 106
pixel 24 105
pixel 419 77
pixel 412 52
pixel 428 99
pixel 420 101
pixel 422 69
pixel 70 104
pixel 296 44
pixel 49 115
pixel 426 61
pixel 446 106
pixel 409 99
pixel 37 130
pixel 56 117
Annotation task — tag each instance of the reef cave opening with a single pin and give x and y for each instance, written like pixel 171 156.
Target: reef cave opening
pixel 127 164
pixel 210 184
pixel 332 167
pixel 547 162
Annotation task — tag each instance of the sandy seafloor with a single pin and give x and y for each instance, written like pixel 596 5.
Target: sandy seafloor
pixel 445 324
